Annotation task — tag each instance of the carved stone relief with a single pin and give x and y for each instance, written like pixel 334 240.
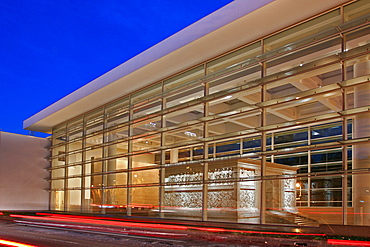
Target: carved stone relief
pixel 247 199
pixel 221 199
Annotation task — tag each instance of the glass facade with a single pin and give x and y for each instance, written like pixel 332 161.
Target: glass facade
pixel 274 132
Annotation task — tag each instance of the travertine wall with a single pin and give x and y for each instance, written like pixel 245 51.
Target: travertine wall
pixel 22 172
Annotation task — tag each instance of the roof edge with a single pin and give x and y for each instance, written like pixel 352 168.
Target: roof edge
pixel 204 26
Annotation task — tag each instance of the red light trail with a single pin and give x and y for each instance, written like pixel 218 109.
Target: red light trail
pixel 93 220
pixel 348 242
pixel 156 225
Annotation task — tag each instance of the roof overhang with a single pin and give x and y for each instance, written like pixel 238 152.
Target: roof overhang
pixel 235 24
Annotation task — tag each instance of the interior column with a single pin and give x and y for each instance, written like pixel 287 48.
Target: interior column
pixel 112 166
pixel 361 152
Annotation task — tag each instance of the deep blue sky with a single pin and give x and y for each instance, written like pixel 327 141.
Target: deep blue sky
pixel 50 48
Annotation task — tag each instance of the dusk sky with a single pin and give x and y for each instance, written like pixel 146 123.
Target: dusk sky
pixel 50 48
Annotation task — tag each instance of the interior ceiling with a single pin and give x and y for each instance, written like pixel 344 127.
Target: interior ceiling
pixel 307 107
pixel 281 113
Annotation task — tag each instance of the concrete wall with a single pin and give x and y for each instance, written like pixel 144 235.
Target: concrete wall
pixel 22 172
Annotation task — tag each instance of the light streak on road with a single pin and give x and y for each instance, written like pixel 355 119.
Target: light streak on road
pixel 348 242
pixel 141 228
pixel 15 244
pixel 156 225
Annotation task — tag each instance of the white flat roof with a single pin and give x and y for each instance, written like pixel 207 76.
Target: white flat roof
pixel 233 25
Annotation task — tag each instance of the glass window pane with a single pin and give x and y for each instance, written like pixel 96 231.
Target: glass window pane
pixel 182 193
pixel 233 59
pixel 74 200
pixel 144 200
pixel 314 26
pixel 179 82
pixel 117 112
pixel 146 95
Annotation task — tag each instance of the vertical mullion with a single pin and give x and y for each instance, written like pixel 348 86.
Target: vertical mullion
pixel 162 173
pixel 272 146
pixel 66 190
pixel 104 163
pixel 83 166
pixel 104 171
pixel 309 168
pixel 263 144
pixel 205 157
pixel 344 131
pixel 129 158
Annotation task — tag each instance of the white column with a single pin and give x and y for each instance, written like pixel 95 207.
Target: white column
pixel 174 155
pixel 111 166
pixel 361 152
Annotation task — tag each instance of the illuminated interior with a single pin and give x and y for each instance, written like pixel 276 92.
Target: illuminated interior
pixel 276 131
